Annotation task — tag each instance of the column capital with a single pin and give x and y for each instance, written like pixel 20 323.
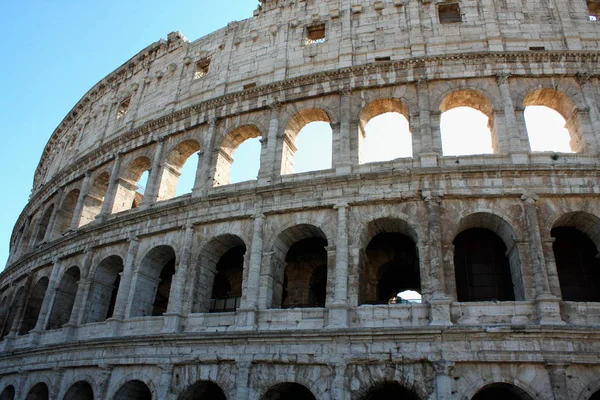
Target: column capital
pixel 258 215
pixel 342 205
pixel 435 197
pixel 583 77
pixel 160 139
pixel 502 77
pixel 529 198
pixel 133 238
pixel 422 83
pixel 213 121
pixel 275 105
pixel 443 367
pixel 345 90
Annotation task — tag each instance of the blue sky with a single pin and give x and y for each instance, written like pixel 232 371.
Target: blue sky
pixel 56 50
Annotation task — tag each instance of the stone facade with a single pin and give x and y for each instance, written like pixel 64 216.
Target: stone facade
pixel 273 288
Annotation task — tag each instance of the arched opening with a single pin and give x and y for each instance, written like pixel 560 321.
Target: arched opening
pixel 104 287
pixel 233 143
pixel 153 285
pixel 595 396
pixel 577 264
pixel 299 268
pixel 92 205
pixel 80 391
pixel 38 392
pixel 203 390
pixel 15 306
pixel 478 136
pixel 384 131
pixel 392 268
pixel 220 274
pixel 389 390
pixel 305 280
pixel 64 299
pixel 501 391
pixel 34 305
pixel 227 286
pixel 8 393
pixel 307 145
pixel 44 224
pixel 133 390
pixel 132 185
pixel 288 391
pixel 65 214
pixel 179 171
pixel 548 131
pixel 482 269
pixel 3 311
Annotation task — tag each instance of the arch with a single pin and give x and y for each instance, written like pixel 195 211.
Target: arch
pixel 38 392
pixel 34 305
pixel 475 100
pixel 129 194
pixel 44 224
pixel 203 390
pixel 65 214
pixel 133 390
pixel 153 283
pixel 595 396
pixel 402 137
pixel 565 106
pixel 80 390
pixel 8 393
pixel 64 299
pixel 501 391
pixel 577 264
pixel 389 390
pixel 299 267
pixel 391 266
pixel 15 306
pixel 220 274
pixel 104 287
pixel 4 311
pixel 229 144
pixel 288 391
pixel 482 270
pixel 172 169
pixel 583 221
pixel 294 126
pixel 92 204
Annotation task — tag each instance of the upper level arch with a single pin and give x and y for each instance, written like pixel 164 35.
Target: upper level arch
pixel 473 138
pixel 64 298
pixel 104 286
pixel 387 120
pixel 94 200
pixel 176 158
pixel 226 149
pixel 128 194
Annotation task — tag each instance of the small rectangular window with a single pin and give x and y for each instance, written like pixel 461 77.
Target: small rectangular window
pixel 537 48
pixel 123 108
pixel 202 68
pixel 249 86
pixel 315 34
pixel 449 13
pixel 382 59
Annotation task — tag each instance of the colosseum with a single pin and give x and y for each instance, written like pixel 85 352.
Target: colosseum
pixel 289 286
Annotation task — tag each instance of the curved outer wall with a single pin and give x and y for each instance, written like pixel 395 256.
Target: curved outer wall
pixel 264 80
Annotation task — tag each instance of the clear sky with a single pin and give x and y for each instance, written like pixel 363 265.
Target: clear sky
pixel 56 50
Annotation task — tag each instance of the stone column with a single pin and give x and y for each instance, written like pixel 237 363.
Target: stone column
pixel 83 192
pixel 268 170
pixel 126 277
pixel 103 377
pixel 204 176
pixel 522 129
pixel 111 191
pixel 583 139
pixel 428 156
pixel 553 282
pixel 49 297
pixel 338 311
pixel 510 119
pixel 440 302
pixel 558 380
pixel 164 381
pixel 48 236
pixel 547 305
pixel 339 391
pixel 250 306
pixel 443 380
pixel 587 91
pixel 176 296
pixel 83 289
pixel 242 380
pixel 341 155
pixel 151 193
